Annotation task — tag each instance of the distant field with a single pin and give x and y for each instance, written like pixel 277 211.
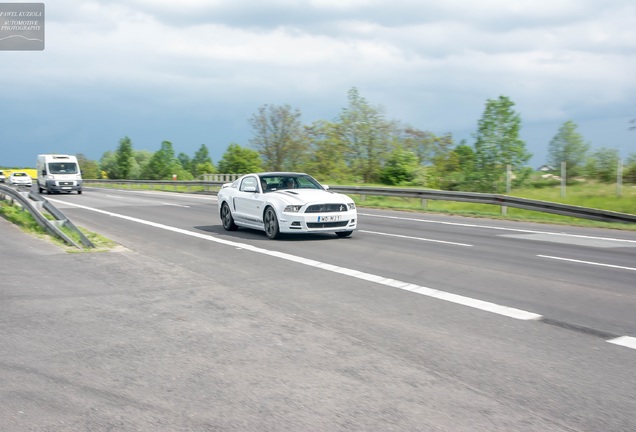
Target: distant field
pixel 31 172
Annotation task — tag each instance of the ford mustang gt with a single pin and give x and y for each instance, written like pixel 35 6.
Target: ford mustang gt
pixel 285 202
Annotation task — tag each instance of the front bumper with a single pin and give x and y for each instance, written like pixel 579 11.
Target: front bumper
pixel 63 185
pixel 317 222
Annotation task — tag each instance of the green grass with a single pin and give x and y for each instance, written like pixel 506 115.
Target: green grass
pixel 26 222
pixel 21 218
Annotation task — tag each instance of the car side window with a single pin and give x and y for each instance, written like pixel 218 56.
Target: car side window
pixel 248 182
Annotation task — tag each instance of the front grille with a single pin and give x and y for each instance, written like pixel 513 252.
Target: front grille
pixel 66 183
pixel 326 208
pixel 327 224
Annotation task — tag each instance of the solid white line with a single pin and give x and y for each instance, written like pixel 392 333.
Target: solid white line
pixel 626 341
pixel 496 228
pixel 415 238
pixel 587 262
pixel 429 292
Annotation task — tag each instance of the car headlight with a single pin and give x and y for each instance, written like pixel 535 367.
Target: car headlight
pixel 352 206
pixel 292 209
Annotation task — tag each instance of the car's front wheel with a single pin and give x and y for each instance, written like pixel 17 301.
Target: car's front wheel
pixel 270 221
pixel 227 219
pixel 344 233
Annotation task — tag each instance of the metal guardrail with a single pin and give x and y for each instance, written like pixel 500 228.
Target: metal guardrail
pixel 504 201
pixel 495 199
pixel 33 203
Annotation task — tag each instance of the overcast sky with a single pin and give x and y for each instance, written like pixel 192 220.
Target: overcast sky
pixel 194 71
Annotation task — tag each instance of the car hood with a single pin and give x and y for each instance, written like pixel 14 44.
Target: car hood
pixel 310 196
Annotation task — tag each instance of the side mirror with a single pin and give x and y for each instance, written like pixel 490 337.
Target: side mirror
pixel 326 187
pixel 250 189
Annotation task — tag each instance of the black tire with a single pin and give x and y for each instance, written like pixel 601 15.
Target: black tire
pixel 270 223
pixel 227 219
pixel 344 233
pixel 79 192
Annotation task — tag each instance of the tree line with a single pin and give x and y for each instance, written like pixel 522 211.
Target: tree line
pixel 361 145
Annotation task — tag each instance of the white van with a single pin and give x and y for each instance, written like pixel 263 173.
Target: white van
pixel 58 173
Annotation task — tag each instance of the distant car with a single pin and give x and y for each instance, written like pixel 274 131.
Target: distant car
pixel 19 178
pixel 2 176
pixel 285 202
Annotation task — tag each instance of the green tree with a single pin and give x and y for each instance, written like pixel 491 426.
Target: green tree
pixel 568 146
pixel 278 137
pixel 465 158
pixel 185 162
pixel 426 145
pixel 602 165
pixel 364 133
pixel 201 162
pixel 89 168
pixel 401 167
pixel 108 164
pixel 124 157
pixel 497 145
pixel 325 160
pixel 140 160
pixel 239 160
pixel 457 171
pixel 163 164
pixel 629 170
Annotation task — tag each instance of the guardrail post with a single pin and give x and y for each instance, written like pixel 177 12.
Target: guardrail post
pixel 424 203
pixel 504 210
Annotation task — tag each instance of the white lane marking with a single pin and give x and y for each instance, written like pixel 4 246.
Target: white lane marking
pixel 430 292
pixel 174 205
pixel 497 228
pixel 587 262
pixel 415 238
pixel 147 201
pixel 176 195
pixel 626 341
pixel 573 241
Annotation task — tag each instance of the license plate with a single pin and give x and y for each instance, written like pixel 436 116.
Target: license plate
pixel 66 187
pixel 328 218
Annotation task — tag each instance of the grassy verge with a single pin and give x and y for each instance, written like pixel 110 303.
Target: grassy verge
pixel 27 223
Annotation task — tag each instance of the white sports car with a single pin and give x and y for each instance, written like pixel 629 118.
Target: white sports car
pixel 285 202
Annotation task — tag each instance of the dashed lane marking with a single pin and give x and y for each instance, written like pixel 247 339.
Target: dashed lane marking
pixel 587 262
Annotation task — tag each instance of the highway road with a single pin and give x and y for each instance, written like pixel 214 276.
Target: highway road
pixel 417 322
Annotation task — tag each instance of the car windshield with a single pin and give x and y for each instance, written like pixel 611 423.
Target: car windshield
pixel 19 174
pixel 62 168
pixel 289 181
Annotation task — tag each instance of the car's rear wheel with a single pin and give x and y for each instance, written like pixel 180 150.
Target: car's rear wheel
pixel 227 219
pixel 270 222
pixel 344 233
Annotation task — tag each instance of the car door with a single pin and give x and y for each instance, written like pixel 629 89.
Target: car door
pixel 248 202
